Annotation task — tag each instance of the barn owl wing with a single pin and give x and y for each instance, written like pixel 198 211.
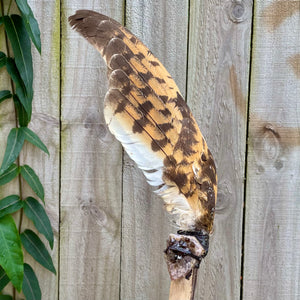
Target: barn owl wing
pixel 147 114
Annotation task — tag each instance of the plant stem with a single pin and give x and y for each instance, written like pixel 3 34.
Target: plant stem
pixel 9 6
pixel 17 125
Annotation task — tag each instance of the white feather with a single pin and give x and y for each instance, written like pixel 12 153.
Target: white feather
pixel 145 158
pixel 154 177
pixel 177 204
pixel 151 163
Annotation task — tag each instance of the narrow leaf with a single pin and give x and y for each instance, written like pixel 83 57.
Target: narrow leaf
pixel 5 297
pixel 9 174
pixel 32 138
pixel 35 247
pixel 11 254
pixel 20 87
pixel 4 280
pixel 15 141
pixel 2 59
pixel 31 24
pixel 20 42
pixel 33 181
pixel 21 112
pixel 10 204
pixel 5 95
pixel 37 214
pixel 31 287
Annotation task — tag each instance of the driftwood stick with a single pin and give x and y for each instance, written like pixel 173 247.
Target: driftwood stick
pixel 182 288
pixel 183 256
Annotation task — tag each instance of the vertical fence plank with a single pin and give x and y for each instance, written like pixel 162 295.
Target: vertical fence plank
pixel 162 26
pixel 45 122
pixel 272 256
pixel 91 164
pixel 219 50
pixel 7 121
pixel 91 168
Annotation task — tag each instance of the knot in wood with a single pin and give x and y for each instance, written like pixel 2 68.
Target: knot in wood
pixel 226 203
pixel 270 127
pixel 237 12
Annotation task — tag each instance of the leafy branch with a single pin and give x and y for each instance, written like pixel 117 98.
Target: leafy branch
pixel 20 31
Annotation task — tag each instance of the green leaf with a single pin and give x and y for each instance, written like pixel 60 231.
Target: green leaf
pixel 4 280
pixel 32 138
pixel 10 204
pixel 15 141
pixel 37 214
pixel 2 59
pixel 20 87
pixel 21 112
pixel 11 254
pixel 10 173
pixel 33 181
pixel 31 287
pixel 20 42
pixel 5 297
pixel 31 24
pixel 35 247
pixel 5 95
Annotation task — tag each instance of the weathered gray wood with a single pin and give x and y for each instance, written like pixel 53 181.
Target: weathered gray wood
pixel 111 251
pixel 162 26
pixel 217 92
pixel 272 257
pixel 90 169
pixel 45 122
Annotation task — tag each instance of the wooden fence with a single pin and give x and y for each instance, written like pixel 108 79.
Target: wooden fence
pixel 238 65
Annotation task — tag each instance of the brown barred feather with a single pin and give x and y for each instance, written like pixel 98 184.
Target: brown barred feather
pixel 147 113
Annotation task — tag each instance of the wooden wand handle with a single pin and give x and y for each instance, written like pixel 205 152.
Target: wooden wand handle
pixel 183 256
pixel 183 289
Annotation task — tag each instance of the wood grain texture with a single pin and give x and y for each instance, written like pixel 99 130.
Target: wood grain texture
pixel 183 289
pixel 110 250
pixel 219 50
pixel 162 26
pixel 45 122
pixel 272 257
pixel 91 169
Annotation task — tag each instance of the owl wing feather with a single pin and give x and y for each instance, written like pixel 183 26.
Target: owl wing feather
pixel 147 114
